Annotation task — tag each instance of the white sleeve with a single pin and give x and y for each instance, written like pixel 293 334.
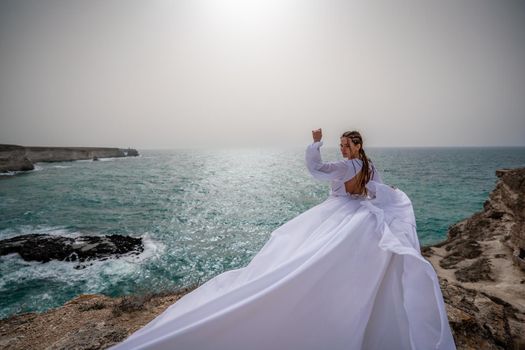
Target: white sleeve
pixel 323 171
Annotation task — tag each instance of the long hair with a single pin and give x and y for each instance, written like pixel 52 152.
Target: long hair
pixel 366 171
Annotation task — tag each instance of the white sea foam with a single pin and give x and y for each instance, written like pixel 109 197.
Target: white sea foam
pixel 61 166
pixel 128 158
pixel 46 296
pixel 94 275
pixel 152 248
pixel 38 166
pixel 112 159
pixel 102 159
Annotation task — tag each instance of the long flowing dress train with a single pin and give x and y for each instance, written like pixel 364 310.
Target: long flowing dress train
pixel 345 274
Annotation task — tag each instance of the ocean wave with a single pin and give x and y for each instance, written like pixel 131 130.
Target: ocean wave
pixel 103 159
pixel 93 276
pixel 152 248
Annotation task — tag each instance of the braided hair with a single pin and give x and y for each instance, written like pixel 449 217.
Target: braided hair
pixel 367 170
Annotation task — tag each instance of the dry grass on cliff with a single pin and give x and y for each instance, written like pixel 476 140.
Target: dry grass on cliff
pixel 86 322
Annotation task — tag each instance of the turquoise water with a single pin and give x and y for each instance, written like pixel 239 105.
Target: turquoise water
pixel 204 212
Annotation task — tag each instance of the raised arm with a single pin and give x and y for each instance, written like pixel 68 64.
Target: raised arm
pixel 316 167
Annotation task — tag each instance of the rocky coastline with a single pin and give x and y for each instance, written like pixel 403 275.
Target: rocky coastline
pixel 22 158
pixel 480 268
pixel 45 247
pixel 482 272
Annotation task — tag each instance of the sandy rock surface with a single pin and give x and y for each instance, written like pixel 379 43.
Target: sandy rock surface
pixel 482 280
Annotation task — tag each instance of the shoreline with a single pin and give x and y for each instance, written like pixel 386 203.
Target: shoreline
pixel 15 158
pixel 478 266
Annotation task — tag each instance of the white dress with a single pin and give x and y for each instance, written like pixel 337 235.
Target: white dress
pixel 345 274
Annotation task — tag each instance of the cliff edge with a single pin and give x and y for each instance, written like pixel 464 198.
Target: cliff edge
pixel 481 269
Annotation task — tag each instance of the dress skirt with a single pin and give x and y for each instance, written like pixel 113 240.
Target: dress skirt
pixel 345 274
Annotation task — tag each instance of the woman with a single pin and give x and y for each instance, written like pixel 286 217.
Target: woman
pixel 345 274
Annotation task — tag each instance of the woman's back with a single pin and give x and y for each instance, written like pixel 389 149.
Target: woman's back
pixel 343 174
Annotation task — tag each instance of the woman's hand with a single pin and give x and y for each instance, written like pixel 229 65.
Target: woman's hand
pixel 317 135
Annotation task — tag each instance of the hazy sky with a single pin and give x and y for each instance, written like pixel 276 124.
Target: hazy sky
pixel 228 73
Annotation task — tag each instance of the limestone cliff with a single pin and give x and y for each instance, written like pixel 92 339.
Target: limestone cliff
pixel 20 158
pixel 13 158
pixel 480 267
pixel 61 154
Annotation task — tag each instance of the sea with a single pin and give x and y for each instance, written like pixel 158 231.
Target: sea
pixel 203 212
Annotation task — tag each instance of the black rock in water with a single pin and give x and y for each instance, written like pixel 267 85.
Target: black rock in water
pixel 44 247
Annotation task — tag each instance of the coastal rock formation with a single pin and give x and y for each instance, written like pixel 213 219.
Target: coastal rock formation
pixel 44 248
pixel 480 267
pixel 19 158
pixel 13 158
pixel 511 195
pixel 481 280
pixel 62 154
pixel 130 152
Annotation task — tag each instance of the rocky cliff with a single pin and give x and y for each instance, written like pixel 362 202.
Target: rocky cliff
pixel 20 158
pixel 13 158
pixel 479 267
